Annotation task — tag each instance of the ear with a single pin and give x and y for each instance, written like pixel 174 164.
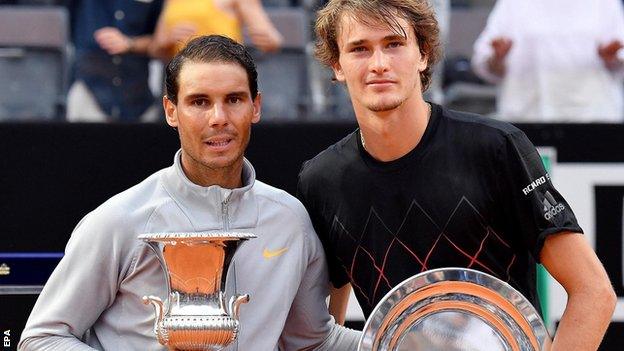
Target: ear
pixel 257 108
pixel 170 112
pixel 422 64
pixel 338 72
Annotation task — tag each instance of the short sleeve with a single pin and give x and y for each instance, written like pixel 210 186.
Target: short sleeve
pixel 533 207
pixel 309 197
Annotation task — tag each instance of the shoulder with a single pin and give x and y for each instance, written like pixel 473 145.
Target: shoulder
pixel 480 131
pixel 478 122
pixel 126 212
pixel 129 200
pixel 281 200
pixel 333 158
pixel 288 208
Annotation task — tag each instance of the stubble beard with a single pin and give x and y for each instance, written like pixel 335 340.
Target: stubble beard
pixel 213 165
pixel 382 106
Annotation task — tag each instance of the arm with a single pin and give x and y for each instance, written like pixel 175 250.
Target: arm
pixel 556 243
pixel 609 55
pixel 165 39
pixel 113 41
pixel 261 31
pixel 338 302
pixel 81 287
pixel 309 325
pixel 492 46
pixel 497 62
pixel 611 37
pixel 591 299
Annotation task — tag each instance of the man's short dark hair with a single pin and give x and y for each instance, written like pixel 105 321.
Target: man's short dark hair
pixel 206 49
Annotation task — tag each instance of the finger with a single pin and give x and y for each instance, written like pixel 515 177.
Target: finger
pixel 110 39
pixel 104 32
pixel 113 43
pixel 185 26
pixel 183 32
pixel 115 47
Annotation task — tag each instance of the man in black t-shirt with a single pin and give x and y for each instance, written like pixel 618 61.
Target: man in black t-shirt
pixel 418 186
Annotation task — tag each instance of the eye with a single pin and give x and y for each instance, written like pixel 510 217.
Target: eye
pixel 199 102
pixel 358 49
pixel 234 99
pixel 395 44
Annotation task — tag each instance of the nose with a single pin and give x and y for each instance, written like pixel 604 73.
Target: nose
pixel 378 62
pixel 218 117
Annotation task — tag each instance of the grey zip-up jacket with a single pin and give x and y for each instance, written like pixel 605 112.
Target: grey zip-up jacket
pixel 93 298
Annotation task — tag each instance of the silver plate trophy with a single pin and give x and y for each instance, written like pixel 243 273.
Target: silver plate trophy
pixel 454 309
pixel 195 315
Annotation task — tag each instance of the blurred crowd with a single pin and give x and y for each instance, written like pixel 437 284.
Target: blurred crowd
pixel 553 61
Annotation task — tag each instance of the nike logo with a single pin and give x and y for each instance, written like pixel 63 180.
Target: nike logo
pixel 270 254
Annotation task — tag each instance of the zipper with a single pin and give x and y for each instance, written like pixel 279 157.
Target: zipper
pixel 224 212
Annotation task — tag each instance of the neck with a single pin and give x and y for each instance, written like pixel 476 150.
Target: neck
pixel 389 135
pixel 229 177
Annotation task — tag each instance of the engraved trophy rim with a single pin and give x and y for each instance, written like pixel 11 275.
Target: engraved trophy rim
pixel 437 291
pixel 195 236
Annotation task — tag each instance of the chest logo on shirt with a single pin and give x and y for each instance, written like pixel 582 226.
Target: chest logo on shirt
pixel 268 254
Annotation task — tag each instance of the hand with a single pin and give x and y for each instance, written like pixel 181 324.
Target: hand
pixel 496 62
pixel 501 46
pixel 266 41
pixel 180 33
pixel 608 53
pixel 113 41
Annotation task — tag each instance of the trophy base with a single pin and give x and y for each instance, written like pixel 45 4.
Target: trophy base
pixel 199 333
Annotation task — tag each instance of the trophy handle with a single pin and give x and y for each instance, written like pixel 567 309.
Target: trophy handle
pixel 160 315
pixel 235 302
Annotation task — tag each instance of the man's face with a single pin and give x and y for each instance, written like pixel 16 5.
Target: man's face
pixel 213 115
pixel 381 68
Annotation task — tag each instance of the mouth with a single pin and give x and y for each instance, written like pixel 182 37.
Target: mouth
pixel 380 82
pixel 218 143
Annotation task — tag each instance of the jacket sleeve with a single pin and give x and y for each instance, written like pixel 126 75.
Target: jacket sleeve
pixel 309 325
pixel 81 287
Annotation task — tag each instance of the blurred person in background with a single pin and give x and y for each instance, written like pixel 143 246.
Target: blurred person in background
pixel 111 67
pixel 184 19
pixel 555 60
pixel 442 9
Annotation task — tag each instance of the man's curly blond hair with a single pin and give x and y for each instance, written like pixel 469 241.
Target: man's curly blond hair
pixel 418 13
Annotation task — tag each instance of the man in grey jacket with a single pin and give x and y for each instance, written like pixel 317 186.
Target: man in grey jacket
pixel 93 298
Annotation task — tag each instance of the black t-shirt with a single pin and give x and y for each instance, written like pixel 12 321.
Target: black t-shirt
pixel 473 193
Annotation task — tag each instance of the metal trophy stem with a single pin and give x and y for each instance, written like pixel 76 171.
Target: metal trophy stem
pixel 195 315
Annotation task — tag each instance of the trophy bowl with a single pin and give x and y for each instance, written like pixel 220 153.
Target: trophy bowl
pixel 454 309
pixel 195 315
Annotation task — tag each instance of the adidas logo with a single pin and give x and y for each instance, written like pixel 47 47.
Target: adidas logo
pixel 551 207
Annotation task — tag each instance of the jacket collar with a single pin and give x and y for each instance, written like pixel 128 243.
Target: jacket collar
pixel 208 208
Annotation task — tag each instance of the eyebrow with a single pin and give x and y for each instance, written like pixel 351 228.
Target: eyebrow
pixel 391 37
pixel 238 94
pixel 196 96
pixel 241 93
